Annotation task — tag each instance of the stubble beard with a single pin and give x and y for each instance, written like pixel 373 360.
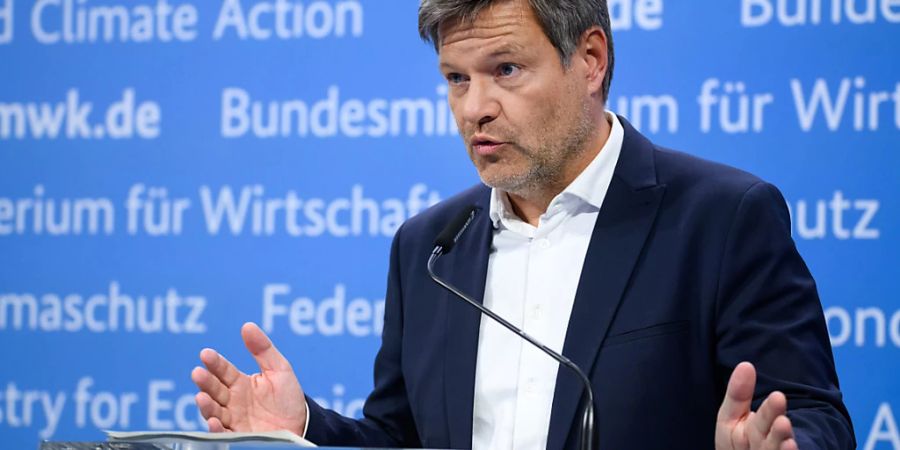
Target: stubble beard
pixel 548 159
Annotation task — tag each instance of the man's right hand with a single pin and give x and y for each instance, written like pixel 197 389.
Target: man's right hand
pixel 266 401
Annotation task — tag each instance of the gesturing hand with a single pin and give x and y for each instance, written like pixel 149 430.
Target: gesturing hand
pixel 738 428
pixel 233 401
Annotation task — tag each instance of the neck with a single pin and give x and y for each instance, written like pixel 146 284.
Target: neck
pixel 531 204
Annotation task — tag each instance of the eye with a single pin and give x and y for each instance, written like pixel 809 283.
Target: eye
pixel 455 78
pixel 507 69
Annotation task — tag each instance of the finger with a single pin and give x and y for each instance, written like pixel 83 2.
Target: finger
pixel 207 406
pixel 773 407
pixel 739 393
pixel 789 444
pixel 212 410
pixel 267 356
pixel 215 426
pixel 781 432
pixel 211 385
pixel 740 438
pixel 220 367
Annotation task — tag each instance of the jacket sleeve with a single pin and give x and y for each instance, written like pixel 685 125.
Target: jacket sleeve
pixel 769 314
pixel 387 420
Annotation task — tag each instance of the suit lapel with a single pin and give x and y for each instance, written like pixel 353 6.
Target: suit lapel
pixel 622 226
pixel 466 268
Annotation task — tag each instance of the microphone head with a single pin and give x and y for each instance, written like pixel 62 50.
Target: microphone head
pixel 454 229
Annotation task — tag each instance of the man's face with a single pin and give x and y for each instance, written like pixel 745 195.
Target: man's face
pixel 524 117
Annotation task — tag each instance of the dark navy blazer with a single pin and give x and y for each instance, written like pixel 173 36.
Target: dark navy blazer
pixel 691 269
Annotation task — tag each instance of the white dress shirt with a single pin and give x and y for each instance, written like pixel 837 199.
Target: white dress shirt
pixel 532 277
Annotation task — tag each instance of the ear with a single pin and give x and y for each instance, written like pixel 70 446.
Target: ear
pixel 595 52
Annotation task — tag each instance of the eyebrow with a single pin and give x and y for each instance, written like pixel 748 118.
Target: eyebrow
pixel 503 50
pixel 506 49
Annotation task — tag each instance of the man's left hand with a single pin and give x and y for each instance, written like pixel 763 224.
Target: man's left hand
pixel 738 428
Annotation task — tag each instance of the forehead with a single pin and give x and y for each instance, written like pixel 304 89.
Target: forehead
pixel 509 23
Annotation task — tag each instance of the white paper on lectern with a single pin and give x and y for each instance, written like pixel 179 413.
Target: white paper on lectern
pixel 201 436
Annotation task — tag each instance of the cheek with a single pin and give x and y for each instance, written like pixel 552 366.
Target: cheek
pixel 539 112
pixel 455 110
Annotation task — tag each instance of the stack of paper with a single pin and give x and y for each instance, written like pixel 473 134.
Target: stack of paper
pixel 282 436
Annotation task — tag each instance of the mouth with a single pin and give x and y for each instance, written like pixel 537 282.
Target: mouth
pixel 485 145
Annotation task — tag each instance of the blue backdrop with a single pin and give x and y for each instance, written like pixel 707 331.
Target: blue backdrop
pixel 171 169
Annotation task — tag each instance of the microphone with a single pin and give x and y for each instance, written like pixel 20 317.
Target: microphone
pixel 443 244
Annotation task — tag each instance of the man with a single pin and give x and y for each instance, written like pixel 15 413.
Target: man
pixel 656 272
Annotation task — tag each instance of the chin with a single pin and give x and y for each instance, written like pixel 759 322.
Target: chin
pixel 503 184
pixel 501 176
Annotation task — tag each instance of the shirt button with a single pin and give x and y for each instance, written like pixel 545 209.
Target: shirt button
pixel 544 243
pixel 536 312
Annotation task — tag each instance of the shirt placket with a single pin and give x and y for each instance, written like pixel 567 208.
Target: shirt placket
pixel 532 379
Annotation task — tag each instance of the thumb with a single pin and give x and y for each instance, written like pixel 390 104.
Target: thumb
pixel 739 394
pixel 264 352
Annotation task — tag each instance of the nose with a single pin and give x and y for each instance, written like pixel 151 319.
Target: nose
pixel 480 105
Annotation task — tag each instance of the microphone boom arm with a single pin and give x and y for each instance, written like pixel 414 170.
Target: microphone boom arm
pixel 587 397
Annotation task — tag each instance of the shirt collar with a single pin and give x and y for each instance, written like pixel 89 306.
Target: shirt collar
pixel 589 186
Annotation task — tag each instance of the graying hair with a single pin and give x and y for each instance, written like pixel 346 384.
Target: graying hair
pixel 563 22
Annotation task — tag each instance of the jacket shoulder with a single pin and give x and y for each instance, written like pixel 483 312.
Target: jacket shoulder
pixel 682 170
pixel 713 192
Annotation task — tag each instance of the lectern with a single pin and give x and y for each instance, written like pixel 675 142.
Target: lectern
pixel 172 445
